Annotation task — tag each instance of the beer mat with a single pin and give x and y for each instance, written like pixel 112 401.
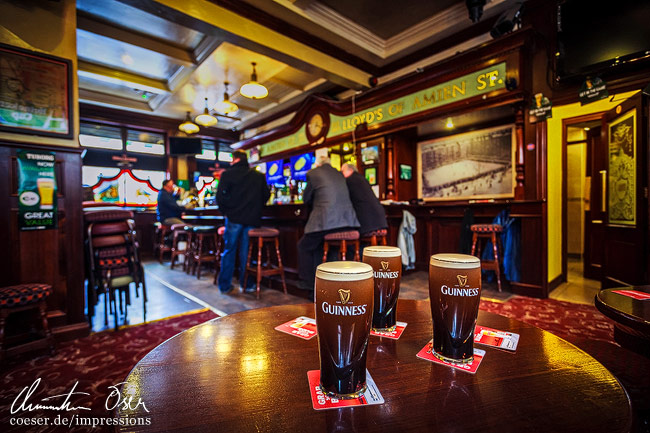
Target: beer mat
pixel 641 296
pixel 303 327
pixel 470 367
pixel 399 329
pixel 321 402
pixel 495 338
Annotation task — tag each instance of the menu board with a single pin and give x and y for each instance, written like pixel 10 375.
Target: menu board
pixel 36 190
pixel 300 165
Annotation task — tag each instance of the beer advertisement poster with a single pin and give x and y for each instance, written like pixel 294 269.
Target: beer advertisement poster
pixel 471 367
pixel 592 90
pixel 320 401
pixel 303 327
pixel 37 208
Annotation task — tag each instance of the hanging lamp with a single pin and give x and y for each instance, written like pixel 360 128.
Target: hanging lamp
pixel 206 119
pixel 226 106
pixel 188 126
pixel 253 89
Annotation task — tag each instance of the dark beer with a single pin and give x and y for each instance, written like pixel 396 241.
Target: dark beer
pixel 455 292
pixel 386 265
pixel 343 302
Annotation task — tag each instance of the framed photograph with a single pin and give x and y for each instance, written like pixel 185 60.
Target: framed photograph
pixel 371 175
pixel 35 93
pixel 405 172
pixel 473 165
pixel 622 170
pixel 370 155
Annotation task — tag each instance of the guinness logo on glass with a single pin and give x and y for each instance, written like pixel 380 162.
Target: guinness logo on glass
pixel 384 265
pixel 345 296
pixel 462 280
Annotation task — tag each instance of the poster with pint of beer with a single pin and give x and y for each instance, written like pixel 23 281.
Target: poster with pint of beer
pixel 36 190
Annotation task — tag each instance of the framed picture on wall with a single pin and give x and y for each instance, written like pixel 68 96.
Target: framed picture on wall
pixel 35 93
pixel 371 175
pixel 405 172
pixel 474 165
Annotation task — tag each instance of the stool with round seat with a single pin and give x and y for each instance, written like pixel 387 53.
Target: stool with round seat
pixel 218 251
pixel 180 233
pixel 342 240
pixel 492 233
pixel 160 235
pixel 264 237
pixel 25 297
pixel 375 237
pixel 203 246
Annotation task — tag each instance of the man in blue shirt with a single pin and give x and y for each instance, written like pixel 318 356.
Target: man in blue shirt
pixel 169 211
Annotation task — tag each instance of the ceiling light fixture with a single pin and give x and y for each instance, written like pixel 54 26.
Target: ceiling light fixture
pixel 253 89
pixel 188 126
pixel 226 106
pixel 449 124
pixel 206 119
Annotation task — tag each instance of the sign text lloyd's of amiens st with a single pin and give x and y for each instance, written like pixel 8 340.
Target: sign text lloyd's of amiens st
pixel 464 87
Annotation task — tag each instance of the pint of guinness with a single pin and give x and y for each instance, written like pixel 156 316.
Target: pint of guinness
pixel 386 265
pixel 455 292
pixel 344 302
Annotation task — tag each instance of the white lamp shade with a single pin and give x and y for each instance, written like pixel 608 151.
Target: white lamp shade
pixel 254 90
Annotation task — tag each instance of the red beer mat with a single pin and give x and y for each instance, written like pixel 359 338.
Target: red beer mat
pixel 399 329
pixel 641 296
pixel 495 338
pixel 320 401
pixel 470 367
pixel 303 327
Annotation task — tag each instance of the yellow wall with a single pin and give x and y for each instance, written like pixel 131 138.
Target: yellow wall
pixel 46 27
pixel 554 161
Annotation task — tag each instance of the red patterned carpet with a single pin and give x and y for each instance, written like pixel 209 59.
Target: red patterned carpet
pixel 96 362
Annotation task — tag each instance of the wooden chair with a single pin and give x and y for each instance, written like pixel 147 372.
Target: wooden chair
pixel 342 240
pixel 375 237
pixel 180 233
pixel 264 238
pixel 492 233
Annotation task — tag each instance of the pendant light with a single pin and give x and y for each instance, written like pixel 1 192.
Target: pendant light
pixel 253 89
pixel 449 124
pixel 188 126
pixel 226 106
pixel 206 119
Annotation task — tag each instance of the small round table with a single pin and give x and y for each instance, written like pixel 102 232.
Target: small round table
pixel 632 317
pixel 238 374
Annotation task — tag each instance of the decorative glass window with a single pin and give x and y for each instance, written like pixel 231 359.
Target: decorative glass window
pixel 90 175
pixel 209 150
pixel 145 142
pixel 100 136
pixel 125 189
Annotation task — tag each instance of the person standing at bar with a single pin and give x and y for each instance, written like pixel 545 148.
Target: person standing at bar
pixel 370 212
pixel 241 195
pixel 169 212
pixel 328 198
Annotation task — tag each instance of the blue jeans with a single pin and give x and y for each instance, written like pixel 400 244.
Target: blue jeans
pixel 234 235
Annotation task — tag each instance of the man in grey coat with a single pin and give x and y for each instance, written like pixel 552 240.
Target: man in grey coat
pixel 328 198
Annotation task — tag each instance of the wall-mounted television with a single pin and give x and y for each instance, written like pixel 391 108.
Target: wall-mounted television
pixel 598 38
pixel 185 145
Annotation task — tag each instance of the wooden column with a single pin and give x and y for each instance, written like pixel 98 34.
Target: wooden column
pixel 520 154
pixel 390 171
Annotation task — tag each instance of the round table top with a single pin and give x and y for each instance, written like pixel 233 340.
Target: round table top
pixel 630 312
pixel 238 374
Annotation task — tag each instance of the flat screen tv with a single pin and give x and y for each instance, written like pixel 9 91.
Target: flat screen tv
pixel 596 38
pixel 184 145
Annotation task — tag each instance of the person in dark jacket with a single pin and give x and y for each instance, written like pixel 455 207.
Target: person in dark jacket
pixel 168 210
pixel 370 212
pixel 241 196
pixel 331 211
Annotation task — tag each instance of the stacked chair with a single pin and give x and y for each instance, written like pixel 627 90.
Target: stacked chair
pixel 113 262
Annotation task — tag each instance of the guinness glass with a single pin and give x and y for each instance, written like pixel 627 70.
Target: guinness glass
pixel 386 265
pixel 343 301
pixel 455 292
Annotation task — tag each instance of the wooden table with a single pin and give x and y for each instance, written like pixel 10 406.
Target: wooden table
pixel 632 317
pixel 237 374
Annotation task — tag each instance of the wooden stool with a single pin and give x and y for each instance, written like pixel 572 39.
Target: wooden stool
pixel 490 232
pixel 342 239
pixel 161 233
pixel 180 233
pixel 218 251
pixel 25 297
pixel 204 243
pixel 264 237
pixel 374 237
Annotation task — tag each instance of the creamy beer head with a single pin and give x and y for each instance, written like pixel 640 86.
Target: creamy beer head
pixel 455 293
pixel 343 304
pixel 386 264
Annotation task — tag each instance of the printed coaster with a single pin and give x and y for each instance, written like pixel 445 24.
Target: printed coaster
pixel 320 401
pixel 303 327
pixel 641 296
pixel 495 338
pixel 395 334
pixel 470 367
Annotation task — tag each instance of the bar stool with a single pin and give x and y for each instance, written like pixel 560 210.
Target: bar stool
pixel 180 233
pixel 25 297
pixel 204 243
pixel 342 239
pixel 264 237
pixel 162 231
pixel 374 237
pixel 218 251
pixel 492 233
